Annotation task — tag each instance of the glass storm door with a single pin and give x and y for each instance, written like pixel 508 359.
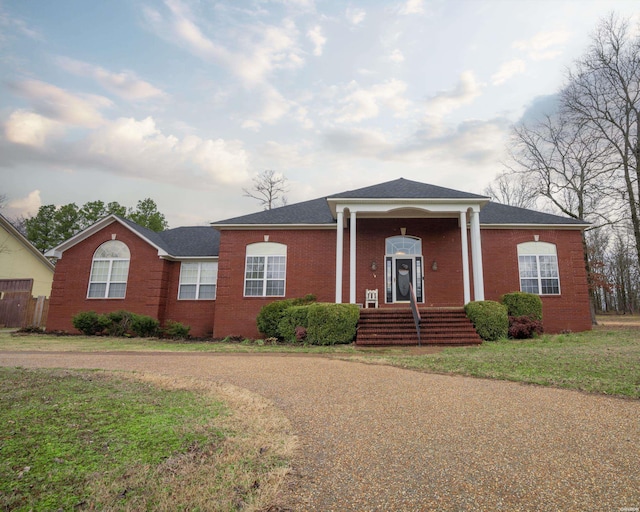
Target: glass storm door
pixel 403 266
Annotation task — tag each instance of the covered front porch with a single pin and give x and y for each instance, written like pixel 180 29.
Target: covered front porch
pixel 388 245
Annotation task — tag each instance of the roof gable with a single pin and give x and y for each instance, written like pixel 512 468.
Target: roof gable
pixel 14 233
pixel 405 189
pixel 183 242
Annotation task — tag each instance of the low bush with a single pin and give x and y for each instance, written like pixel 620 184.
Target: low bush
pixel 176 330
pixel 523 304
pixel 524 327
pixel 145 326
pixel 90 323
pixel 121 321
pixel 293 317
pixel 329 324
pixel 489 318
pixel 268 320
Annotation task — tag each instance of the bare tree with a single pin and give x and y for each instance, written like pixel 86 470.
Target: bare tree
pixel 513 189
pixel 269 188
pixel 603 93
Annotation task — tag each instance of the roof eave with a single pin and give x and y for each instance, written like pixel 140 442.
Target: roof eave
pixel 581 227
pixel 403 202
pixel 272 226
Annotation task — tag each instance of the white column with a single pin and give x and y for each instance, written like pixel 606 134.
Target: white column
pixel 476 257
pixel 465 257
pixel 352 259
pixel 339 253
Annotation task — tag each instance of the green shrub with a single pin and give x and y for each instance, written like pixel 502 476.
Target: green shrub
pixel 329 324
pixel 293 317
pixel 490 319
pixel 523 304
pixel 144 326
pixel 121 322
pixel 268 320
pixel 176 330
pixel 90 323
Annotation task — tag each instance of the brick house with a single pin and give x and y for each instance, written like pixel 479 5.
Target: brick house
pixel 452 247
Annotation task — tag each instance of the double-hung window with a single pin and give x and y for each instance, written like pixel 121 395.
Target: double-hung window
pixel 538 266
pixel 109 271
pixel 198 280
pixel 265 270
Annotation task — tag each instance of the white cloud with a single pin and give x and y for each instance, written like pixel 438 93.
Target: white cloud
pixel 355 16
pixel 260 48
pixel 361 104
pixel 357 142
pixel 444 102
pixel 25 206
pixel 125 84
pixel 543 45
pixel 31 129
pixel 508 70
pixel 60 105
pixel 396 56
pixel 316 37
pixel 139 148
pixel 412 7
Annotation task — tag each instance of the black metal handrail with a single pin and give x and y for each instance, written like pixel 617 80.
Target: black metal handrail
pixel 415 311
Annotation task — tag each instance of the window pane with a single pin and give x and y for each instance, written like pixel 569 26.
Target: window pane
pixel 208 273
pixel 276 267
pixel 529 285
pixel 189 273
pixel 255 267
pixel 253 288
pixel 113 249
pixel 528 266
pixel 97 290
pixel 275 288
pixel 100 271
pixel 119 271
pixel 117 290
pixel 207 291
pixel 550 286
pixel 187 291
pixel 548 266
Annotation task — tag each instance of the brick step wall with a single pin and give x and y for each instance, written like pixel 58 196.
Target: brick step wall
pixel 379 327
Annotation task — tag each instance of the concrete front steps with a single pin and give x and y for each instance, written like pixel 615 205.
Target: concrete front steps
pixel 395 326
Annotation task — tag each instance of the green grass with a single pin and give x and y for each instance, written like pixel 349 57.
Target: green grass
pixel 600 361
pixel 44 342
pixel 90 440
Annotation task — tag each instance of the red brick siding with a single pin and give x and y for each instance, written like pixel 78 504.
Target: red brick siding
pixel 311 256
pixel 198 314
pixel 568 311
pixel 146 285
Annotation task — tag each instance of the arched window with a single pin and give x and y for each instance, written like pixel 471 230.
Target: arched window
pixel 538 266
pixel 403 245
pixel 109 271
pixel 265 270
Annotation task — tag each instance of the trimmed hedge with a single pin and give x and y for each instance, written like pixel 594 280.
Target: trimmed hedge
pixel 523 304
pixel 268 320
pixel 294 317
pixel 489 318
pixel 332 323
pixel 116 323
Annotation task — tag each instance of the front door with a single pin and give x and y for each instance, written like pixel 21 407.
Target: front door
pixel 404 272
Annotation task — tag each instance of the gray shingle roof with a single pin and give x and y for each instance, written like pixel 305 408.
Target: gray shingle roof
pixel 496 213
pixel 317 211
pixel 405 189
pixel 186 242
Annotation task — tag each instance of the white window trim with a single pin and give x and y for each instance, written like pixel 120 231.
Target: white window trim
pixel 267 251
pixel 537 249
pixel 109 280
pixel 198 279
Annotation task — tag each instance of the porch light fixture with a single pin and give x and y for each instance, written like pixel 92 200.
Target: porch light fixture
pixel 434 265
pixel 374 266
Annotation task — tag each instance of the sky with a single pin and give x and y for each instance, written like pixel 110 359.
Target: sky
pixel 186 101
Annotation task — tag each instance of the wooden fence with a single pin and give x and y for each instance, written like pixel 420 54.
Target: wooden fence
pixel 18 308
